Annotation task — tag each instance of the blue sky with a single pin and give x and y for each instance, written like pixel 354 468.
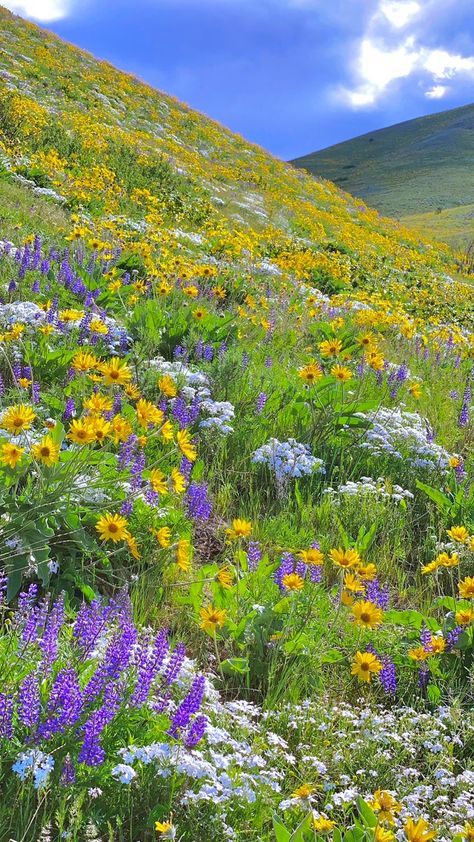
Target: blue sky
pixel 291 75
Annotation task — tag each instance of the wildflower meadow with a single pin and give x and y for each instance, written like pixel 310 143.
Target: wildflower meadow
pixel 236 484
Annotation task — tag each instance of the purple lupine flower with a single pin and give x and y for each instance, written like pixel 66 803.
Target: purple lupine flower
pixel 378 595
pixel 68 772
pixel 90 623
pixel 29 704
pixel 185 468
pixel 27 598
pixel 423 678
pixel 425 637
pixel 261 401
pixel 126 508
pixel 92 753
pixel 126 453
pixel 199 349
pixel 245 360
pixel 64 705
pixel 222 350
pixel 35 392
pixel 361 367
pixel 2 386
pixel 124 342
pixel 49 643
pixel 137 469
pixel 388 676
pixel 45 266
pixel 198 505
pixel 116 659
pixel 196 731
pixel 151 658
pixel 174 664
pixel 6 713
pixel 35 286
pixel 179 411
pixel 69 410
pixel 117 405
pixel 12 286
pixel 190 705
pixel 268 362
pixel 254 555
pixel 453 636
pixel 287 565
pixel 402 373
pixel 208 353
pixel 316 573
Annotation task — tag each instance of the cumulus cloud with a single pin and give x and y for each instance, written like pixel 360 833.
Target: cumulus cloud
pixel 40 10
pixel 392 48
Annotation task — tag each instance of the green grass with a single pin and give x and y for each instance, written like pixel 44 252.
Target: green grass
pixel 409 171
pixel 22 213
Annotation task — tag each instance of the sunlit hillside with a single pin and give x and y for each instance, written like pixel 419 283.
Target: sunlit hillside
pixel 236 484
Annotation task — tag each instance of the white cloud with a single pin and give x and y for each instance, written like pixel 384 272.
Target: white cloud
pixel 399 13
pixel 437 92
pixel 41 10
pixel 385 56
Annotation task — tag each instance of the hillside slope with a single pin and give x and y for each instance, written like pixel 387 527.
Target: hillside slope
pixel 413 168
pixel 129 161
pixel 236 484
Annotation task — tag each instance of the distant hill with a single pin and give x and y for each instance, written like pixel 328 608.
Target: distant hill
pixel 419 171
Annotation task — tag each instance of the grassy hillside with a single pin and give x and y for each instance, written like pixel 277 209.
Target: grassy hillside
pixel 409 171
pixel 236 484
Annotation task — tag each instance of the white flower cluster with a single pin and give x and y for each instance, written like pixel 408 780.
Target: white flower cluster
pixel 220 413
pixel 36 763
pixel 381 749
pixel 405 436
pixel 288 459
pixel 26 312
pixel 380 488
pixel 179 371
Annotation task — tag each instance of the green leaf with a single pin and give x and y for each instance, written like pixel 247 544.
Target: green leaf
pixel 332 656
pixel 434 694
pixel 367 815
pixel 240 665
pixel 281 833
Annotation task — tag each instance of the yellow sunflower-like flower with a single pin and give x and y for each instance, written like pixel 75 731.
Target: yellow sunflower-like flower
pixel 292 582
pixel 345 558
pixel 46 451
pixel 365 665
pixel 112 527
pixel 17 419
pixel 367 615
pixel 212 618
pixel 167 386
pixel 341 373
pixel 11 454
pixel 183 554
pixel 466 588
pixel 162 535
pixel 116 372
pixel 323 825
pixel 81 431
pixel 459 534
pixel 187 448
pixel 240 529
pixel 330 348
pixel 310 373
pixel 418 831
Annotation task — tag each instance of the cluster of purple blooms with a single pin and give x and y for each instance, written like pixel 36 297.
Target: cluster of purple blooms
pixel 78 684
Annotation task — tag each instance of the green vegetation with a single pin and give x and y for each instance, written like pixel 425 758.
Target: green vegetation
pixel 236 485
pixel 416 172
